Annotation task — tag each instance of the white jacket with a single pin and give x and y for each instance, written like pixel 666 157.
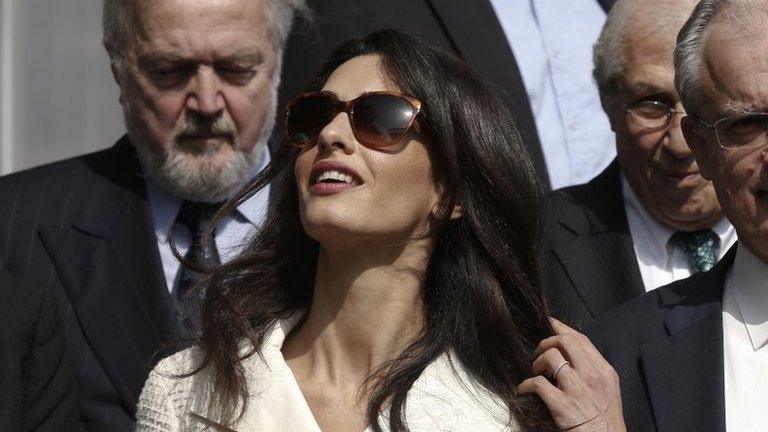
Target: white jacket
pixel 443 398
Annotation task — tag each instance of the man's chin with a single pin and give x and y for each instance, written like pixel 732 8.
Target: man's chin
pixel 204 146
pixel 205 178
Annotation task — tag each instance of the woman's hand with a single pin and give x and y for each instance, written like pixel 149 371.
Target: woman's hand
pixel 578 386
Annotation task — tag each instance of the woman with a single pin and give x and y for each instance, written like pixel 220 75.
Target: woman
pixel 393 285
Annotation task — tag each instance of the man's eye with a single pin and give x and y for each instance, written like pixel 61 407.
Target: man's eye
pixel 168 75
pixel 238 75
pixel 652 109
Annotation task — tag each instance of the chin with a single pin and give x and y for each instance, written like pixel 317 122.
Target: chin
pixel 202 177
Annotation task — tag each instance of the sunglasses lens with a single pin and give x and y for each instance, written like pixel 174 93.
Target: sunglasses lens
pixel 307 116
pixel 382 119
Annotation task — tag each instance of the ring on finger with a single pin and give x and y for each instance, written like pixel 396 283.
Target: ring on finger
pixel 559 368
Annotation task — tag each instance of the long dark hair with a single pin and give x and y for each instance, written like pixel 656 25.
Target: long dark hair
pixel 481 292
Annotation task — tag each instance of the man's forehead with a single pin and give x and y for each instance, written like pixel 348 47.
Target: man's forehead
pixel 734 70
pixel 161 16
pixel 197 28
pixel 651 30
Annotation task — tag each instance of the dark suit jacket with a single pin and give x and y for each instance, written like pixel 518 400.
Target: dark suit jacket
pixel 667 347
pixel 82 227
pixel 469 28
pixel 588 263
pixel 37 388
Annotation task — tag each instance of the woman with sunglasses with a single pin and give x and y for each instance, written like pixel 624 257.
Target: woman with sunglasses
pixel 394 283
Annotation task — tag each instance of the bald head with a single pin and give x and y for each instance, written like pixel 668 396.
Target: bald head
pixel 633 25
pixel 120 20
pixel 737 20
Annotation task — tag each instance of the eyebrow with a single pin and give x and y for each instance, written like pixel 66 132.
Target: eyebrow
pixel 249 57
pixel 732 108
pixel 643 88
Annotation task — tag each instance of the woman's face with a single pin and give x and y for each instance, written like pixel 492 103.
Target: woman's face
pixel 392 192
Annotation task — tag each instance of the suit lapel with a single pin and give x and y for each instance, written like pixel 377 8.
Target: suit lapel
pixel 110 268
pixel 606 4
pixel 476 34
pixel 600 260
pixel 684 371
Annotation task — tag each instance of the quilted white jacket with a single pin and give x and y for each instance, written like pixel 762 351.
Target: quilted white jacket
pixel 442 399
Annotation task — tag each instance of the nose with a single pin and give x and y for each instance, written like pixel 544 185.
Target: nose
pixel 674 141
pixel 205 93
pixel 337 135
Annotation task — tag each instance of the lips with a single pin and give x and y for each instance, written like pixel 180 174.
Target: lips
pixel 330 177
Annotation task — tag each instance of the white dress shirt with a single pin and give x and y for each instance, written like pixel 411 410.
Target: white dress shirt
pixel 444 398
pixel 231 233
pixel 660 262
pixel 552 43
pixel 745 343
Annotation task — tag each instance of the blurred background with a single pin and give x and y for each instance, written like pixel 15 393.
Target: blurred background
pixel 57 96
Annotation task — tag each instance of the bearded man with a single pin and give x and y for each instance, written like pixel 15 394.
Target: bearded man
pixel 198 82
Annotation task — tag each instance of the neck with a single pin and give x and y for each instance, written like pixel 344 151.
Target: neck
pixel 365 311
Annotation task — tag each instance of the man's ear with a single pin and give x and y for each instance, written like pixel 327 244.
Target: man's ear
pixel 702 152
pixel 113 63
pixel 458 211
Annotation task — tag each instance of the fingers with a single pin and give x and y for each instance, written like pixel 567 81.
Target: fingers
pixel 586 389
pixel 567 410
pixel 552 364
pixel 560 327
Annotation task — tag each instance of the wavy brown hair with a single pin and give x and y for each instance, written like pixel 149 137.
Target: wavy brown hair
pixel 481 292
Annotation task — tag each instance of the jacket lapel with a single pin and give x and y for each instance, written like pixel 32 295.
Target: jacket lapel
pixel 110 268
pixel 600 259
pixel 476 34
pixel 684 371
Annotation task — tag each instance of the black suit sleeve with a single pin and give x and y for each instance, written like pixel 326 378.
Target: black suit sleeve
pixel 39 390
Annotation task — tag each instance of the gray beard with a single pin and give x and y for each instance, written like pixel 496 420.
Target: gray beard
pixel 189 176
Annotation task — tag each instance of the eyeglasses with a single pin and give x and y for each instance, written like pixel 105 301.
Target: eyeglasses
pixel 740 131
pixel 378 119
pixel 650 114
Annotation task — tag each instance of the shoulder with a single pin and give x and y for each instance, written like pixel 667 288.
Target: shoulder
pixel 641 319
pixel 564 213
pixel 43 173
pixel 52 178
pixel 445 397
pixel 169 392
pixel 21 301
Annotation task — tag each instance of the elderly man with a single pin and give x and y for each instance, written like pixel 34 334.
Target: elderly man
pixel 198 82
pixel 693 356
pixel 650 218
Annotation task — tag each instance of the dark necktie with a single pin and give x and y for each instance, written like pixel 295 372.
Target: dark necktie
pixel 188 295
pixel 700 246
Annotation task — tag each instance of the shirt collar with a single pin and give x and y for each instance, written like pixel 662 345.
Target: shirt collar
pixel 658 234
pixel 165 206
pixel 749 283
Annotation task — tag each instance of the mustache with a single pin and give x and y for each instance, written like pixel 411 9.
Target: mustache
pixel 196 125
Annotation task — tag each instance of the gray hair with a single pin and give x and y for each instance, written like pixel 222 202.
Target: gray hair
pixel 607 56
pixel 119 21
pixel 689 49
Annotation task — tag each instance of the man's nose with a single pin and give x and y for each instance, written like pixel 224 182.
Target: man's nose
pixel 675 141
pixel 205 93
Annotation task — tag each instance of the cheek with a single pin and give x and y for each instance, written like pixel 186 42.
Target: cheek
pixel 733 183
pixel 636 151
pixel 405 183
pixel 303 167
pixel 249 110
pixel 158 111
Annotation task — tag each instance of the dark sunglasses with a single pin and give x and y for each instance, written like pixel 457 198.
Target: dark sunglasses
pixel 378 119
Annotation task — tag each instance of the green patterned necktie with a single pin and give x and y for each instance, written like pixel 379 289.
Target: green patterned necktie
pixel 700 246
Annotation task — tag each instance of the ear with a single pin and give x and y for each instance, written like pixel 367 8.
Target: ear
pixel 458 211
pixel 113 65
pixel 702 152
